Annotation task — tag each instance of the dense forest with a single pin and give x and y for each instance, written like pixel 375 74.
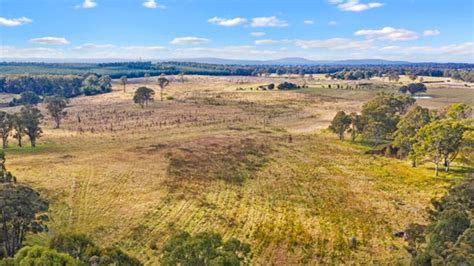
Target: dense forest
pixel 459 71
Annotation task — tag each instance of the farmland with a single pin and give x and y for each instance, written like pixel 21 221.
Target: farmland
pixel 217 154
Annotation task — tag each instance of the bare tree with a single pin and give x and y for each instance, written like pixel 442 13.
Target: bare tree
pixel 163 83
pixel 124 81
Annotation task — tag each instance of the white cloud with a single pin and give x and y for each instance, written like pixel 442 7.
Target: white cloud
pixel 14 21
pixel 90 46
pixel 258 34
pixel 14 52
pixel 452 49
pixel 87 4
pixel 354 5
pixel 189 41
pixel 388 33
pixel 144 48
pixel 50 40
pixel 332 23
pixel 308 22
pixel 334 43
pixel 431 33
pixel 152 4
pixel 229 52
pixel 268 22
pixel 266 42
pixel 227 22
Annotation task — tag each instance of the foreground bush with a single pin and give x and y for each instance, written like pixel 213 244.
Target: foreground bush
pixel 87 252
pixel 204 249
pixel 38 255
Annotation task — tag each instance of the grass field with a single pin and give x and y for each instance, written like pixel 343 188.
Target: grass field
pixel 256 165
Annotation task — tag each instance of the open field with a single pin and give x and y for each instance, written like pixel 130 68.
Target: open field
pixel 219 155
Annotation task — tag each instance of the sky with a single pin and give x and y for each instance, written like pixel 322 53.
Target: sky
pixel 411 30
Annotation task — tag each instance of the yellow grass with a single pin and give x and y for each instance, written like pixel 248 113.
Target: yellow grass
pixel 297 201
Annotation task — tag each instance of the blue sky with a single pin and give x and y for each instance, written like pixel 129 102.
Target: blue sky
pixel 414 30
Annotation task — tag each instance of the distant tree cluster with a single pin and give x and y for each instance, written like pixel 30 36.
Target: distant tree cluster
pixel 413 88
pixel 287 86
pixel 34 88
pixel 93 84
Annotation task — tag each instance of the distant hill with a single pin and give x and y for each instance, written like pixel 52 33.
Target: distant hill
pixel 287 61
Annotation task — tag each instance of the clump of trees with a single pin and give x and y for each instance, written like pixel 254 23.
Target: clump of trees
pixel 204 249
pixel 143 96
pixel 413 131
pixel 381 115
pixel 449 237
pixel 413 88
pixel 288 86
pixel 33 89
pixel 26 122
pixel 86 252
pixel 93 84
pixel 26 98
pixel 38 255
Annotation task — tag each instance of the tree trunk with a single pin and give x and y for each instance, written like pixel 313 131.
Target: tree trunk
pixel 446 164
pixel 58 121
pixel 4 143
pixel 161 94
pixel 124 87
pixel 436 167
pixel 413 163
pixel 33 142
pixel 19 140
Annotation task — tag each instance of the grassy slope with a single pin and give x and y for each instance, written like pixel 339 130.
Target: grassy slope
pixel 302 203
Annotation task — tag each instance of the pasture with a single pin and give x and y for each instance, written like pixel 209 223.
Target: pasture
pixel 219 155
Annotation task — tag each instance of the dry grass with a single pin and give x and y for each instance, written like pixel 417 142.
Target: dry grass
pixel 203 161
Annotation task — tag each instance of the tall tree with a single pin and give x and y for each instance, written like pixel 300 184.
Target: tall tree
pixel 124 80
pixel 22 210
pixel 163 83
pixel 340 124
pixel 55 106
pixel 32 116
pixel 6 126
pixel 143 96
pixel 409 125
pixel 439 140
pixel 357 125
pixel 382 114
pixel 19 127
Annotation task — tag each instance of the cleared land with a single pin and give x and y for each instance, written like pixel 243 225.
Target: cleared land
pixel 217 155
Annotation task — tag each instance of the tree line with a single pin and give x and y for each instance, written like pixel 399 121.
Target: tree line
pixel 458 71
pixel 410 131
pixel 33 88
